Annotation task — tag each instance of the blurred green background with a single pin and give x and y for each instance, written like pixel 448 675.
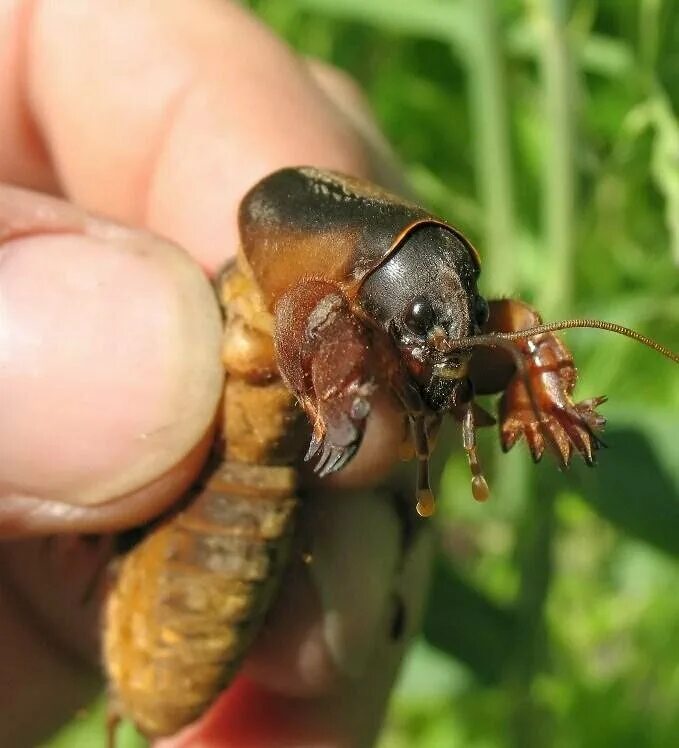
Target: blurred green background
pixel 547 131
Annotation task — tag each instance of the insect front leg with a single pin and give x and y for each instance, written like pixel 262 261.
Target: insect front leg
pixel 550 418
pixel 324 354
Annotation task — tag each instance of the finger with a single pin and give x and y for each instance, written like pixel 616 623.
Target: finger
pixel 111 368
pixel 321 671
pixel 337 594
pixel 164 115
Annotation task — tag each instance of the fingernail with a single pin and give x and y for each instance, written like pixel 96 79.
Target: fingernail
pixel 355 557
pixel 109 361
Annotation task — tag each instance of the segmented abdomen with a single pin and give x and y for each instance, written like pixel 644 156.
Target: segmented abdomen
pixel 191 596
pixel 189 599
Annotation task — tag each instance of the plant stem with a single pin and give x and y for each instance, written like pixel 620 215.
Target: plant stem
pixel 649 25
pixel 531 721
pixel 483 55
pixel 559 174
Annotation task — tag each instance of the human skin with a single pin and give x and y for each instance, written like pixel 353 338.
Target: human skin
pixel 129 132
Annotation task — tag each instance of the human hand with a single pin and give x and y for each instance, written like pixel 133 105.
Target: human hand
pixel 109 342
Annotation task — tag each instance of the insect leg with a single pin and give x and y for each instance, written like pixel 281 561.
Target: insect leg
pixel 479 485
pixel 324 355
pixel 560 424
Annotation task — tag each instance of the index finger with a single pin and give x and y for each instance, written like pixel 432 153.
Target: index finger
pixel 159 114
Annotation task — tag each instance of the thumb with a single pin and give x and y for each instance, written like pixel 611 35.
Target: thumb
pixel 110 369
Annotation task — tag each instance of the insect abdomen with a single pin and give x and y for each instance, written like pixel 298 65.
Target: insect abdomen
pixel 189 599
pixel 191 596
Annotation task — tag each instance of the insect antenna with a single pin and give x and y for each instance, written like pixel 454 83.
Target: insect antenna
pixel 496 338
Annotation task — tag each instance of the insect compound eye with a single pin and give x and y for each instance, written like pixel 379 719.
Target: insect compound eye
pixel 419 316
pixel 481 311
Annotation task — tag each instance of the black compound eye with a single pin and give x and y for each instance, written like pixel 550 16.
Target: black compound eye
pixel 481 311
pixel 419 316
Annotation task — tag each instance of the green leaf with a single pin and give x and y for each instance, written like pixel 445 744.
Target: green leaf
pixel 431 19
pixel 464 623
pixel 636 483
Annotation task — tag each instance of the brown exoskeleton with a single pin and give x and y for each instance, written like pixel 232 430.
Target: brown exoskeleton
pixel 339 289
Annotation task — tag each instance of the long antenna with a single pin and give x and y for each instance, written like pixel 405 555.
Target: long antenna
pixel 494 338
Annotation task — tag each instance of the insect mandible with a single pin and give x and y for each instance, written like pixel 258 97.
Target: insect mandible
pixel 340 289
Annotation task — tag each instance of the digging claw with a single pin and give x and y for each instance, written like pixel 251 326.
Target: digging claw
pixel 333 459
pixel 563 428
pixel 314 445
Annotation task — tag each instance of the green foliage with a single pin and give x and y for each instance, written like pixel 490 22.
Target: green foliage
pixel 547 131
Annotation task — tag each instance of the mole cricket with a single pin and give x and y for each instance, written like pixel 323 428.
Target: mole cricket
pixel 339 289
